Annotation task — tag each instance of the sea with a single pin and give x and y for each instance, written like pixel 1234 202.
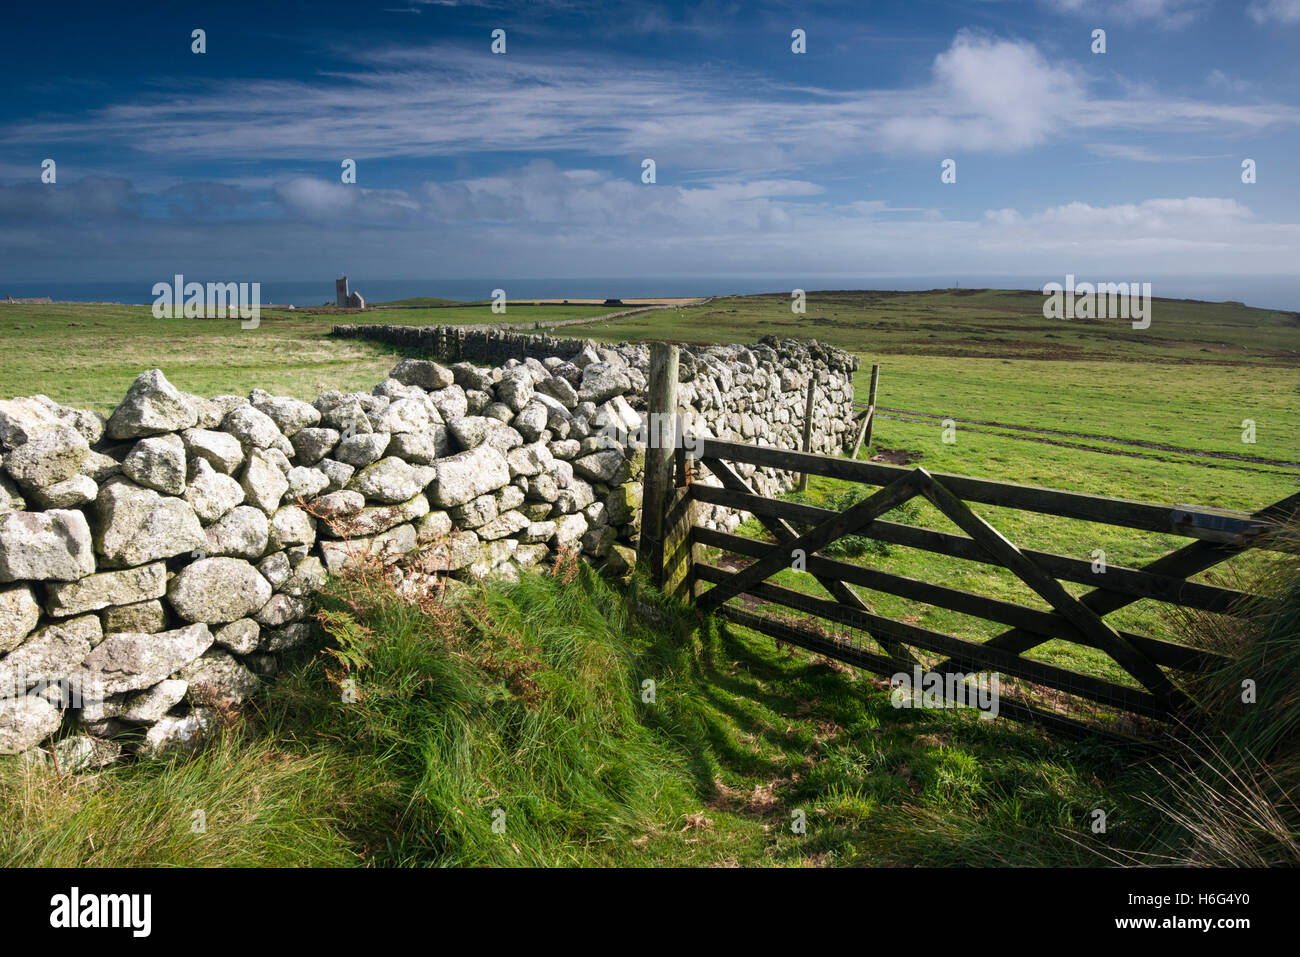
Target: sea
pixel 1269 292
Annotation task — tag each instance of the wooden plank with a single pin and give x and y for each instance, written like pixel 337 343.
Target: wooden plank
pixel 1049 589
pixel 818 537
pixel 1132 582
pixel 784 534
pixel 1093 508
pixel 961 653
pixel 839 651
pixel 871 406
pixel 862 430
pixel 662 399
pixel 1049 624
pixel 807 424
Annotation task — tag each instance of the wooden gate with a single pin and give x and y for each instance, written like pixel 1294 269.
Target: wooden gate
pixel 672 540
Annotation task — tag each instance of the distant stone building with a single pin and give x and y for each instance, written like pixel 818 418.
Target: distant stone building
pixel 344 299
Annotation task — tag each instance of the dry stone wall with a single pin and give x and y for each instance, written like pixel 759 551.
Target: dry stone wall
pixel 156 562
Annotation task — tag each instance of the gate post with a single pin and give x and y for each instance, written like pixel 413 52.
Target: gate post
pixel 661 410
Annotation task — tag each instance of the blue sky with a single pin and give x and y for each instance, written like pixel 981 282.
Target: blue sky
pixel 226 165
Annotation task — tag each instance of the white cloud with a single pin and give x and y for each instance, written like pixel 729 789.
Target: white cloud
pixel 1274 11
pixel 1170 14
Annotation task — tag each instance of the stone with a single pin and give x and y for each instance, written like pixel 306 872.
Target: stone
pixel 361 450
pixel 157 462
pixel 291 525
pixel 45 546
pixel 221 450
pixel 515 388
pixel 145 617
pixel 623 502
pixel 559 389
pixel 208 413
pixel 177 735
pixel 281 610
pixel 470 376
pixel 135 525
pixel 240 636
pixel 340 504
pixel 306 578
pixel 569 529
pixel 50 457
pixel 263 482
pixel 212 494
pixel 604 465
pixel 70 493
pixel 409 415
pixel 423 373
pixel 339 473
pixel 98 591
pixel 531 422
pixel 380 518
pixel 98 466
pixel 22 419
pixel 388 547
pixel 253 429
pixel 348 417
pixel 390 480
pixel 289 415
pixel 504 525
pixel 131 662
pixel 151 704
pixel 53 653
pixel 305 483
pixel 454 552
pixel 621 560
pixel 525 556
pixel 475 512
pixel 218 590
pixel 243 532
pixel 217 675
pixel 450 402
pixel 421 448
pixel 469 474
pixel 286 638
pixel 79 753
pixel 601 381
pixel 536 532
pixel 276 568
pixel 598 540
pixel 530 460
pixel 152 405
pixel 25 722
pixel 492 560
pixel 19 614
pixel 313 444
pixel 10 498
pixel 432 527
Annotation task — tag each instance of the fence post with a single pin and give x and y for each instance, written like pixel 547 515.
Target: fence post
pixel 661 410
pixel 871 404
pixel 868 417
pixel 807 425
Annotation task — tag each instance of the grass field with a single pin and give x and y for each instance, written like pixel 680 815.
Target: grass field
pixel 1155 415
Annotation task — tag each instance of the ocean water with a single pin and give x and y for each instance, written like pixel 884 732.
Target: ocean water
pixel 1270 292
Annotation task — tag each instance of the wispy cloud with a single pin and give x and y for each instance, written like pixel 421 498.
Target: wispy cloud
pixel 984 94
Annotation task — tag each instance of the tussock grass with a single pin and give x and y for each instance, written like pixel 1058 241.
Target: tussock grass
pixel 400 738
